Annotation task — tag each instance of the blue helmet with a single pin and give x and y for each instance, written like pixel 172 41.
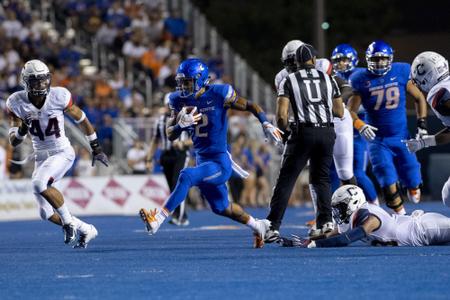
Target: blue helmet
pixel 379 57
pixel 341 52
pixel 192 75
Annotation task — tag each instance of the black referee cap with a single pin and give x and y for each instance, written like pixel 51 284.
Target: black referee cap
pixel 304 53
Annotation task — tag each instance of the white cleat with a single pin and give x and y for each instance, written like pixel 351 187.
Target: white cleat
pixel 150 221
pixel 262 227
pixel 86 237
pixel 414 195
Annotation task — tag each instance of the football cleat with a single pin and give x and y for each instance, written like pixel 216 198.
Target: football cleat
pixel 70 233
pixel 179 222
pixel 150 221
pixel 414 195
pixel 272 236
pixel 259 233
pixel 315 233
pixel 311 223
pixel 86 237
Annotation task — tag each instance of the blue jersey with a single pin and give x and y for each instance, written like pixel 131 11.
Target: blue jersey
pixel 384 98
pixel 210 134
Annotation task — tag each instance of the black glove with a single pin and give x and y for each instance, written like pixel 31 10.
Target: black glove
pixel 97 153
pixel 23 129
pixel 421 128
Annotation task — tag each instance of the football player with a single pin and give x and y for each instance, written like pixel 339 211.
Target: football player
pixel 381 89
pixel 430 73
pixel 202 108
pixel 359 220
pixel 39 110
pixel 345 60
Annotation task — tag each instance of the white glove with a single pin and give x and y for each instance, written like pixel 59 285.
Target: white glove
pixel 273 132
pixel 188 119
pixel 415 145
pixel 421 132
pixel 368 132
pixel 298 241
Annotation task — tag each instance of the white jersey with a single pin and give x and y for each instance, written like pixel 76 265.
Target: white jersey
pixel 46 125
pixel 320 62
pixel 440 91
pixel 394 229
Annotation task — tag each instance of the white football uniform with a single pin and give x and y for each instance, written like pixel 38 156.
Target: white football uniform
pixel 418 229
pixel 441 91
pixel 343 145
pixel 53 153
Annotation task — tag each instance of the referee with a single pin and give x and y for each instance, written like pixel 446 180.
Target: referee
pixel 314 98
pixel 173 159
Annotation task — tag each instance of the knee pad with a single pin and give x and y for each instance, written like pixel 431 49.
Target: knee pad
pixel 393 200
pixel 38 185
pixel 446 193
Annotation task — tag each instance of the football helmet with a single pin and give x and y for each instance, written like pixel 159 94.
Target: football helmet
pixel 35 78
pixel 288 55
pixel 344 58
pixel 345 201
pixel 192 75
pixel 428 68
pixel 379 57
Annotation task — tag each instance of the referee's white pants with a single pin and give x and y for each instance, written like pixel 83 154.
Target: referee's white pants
pixel 343 146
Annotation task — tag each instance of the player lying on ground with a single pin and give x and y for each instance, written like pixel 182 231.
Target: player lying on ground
pixel 430 74
pixel 359 220
pixel 39 110
pixel 209 134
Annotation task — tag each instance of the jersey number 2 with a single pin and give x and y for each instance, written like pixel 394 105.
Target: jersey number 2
pixel 200 125
pixel 52 129
pixel 392 97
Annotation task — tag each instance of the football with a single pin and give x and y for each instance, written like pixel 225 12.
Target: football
pixel 188 110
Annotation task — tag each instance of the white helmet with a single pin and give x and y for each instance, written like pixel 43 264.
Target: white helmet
pixel 36 78
pixel 288 55
pixel 345 201
pixel 428 68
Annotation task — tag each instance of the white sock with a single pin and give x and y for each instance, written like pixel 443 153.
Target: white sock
pixel 64 214
pixel 401 211
pixel 80 225
pixel 162 215
pixel 252 223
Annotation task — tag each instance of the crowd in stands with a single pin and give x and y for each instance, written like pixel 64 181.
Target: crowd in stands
pixel 151 39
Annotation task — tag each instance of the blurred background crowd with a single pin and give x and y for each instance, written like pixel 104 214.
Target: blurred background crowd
pixel 151 39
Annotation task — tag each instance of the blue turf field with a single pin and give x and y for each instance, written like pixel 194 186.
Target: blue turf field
pixel 205 262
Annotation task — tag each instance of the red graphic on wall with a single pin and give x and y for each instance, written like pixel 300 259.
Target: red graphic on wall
pixel 116 192
pixel 78 193
pixel 154 191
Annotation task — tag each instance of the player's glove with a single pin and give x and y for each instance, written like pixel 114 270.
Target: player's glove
pixel 365 130
pixel 188 119
pixel 298 241
pixel 273 133
pixel 415 145
pixel 97 153
pixel 421 128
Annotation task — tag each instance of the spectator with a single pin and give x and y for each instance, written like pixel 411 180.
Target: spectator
pixel 106 34
pixel 136 158
pixel 83 166
pixel 175 26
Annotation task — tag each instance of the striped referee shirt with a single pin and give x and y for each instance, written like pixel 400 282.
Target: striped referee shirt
pixel 311 93
pixel 160 132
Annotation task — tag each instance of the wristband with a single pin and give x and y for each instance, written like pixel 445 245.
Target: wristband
pixel 81 119
pixel 177 129
pixel 358 123
pixel 91 137
pixel 262 117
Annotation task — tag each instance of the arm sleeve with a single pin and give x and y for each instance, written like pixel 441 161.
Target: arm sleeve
pixel 343 239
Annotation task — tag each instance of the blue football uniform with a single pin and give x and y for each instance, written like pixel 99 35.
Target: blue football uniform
pixel 360 154
pixel 384 100
pixel 209 136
